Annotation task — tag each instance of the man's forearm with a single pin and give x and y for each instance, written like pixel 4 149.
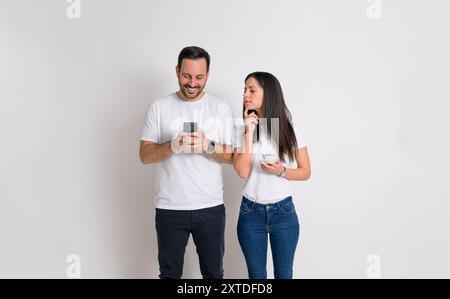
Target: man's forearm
pixel 154 153
pixel 223 154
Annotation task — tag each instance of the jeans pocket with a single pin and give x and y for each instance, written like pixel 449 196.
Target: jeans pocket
pixel 288 208
pixel 245 207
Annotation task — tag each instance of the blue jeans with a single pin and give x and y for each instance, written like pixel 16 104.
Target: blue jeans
pixel 277 221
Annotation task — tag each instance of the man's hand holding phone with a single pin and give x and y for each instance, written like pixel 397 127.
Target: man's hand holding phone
pixel 191 139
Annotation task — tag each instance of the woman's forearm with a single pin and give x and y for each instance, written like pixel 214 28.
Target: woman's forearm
pixel 243 160
pixel 298 174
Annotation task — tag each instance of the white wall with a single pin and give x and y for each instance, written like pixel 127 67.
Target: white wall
pixel 372 97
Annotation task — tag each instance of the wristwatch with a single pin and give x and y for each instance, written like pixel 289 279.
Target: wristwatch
pixel 283 173
pixel 211 147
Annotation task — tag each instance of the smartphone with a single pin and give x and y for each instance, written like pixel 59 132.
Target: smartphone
pixel 190 127
pixel 269 158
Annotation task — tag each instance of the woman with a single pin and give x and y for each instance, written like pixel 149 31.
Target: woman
pixel 269 160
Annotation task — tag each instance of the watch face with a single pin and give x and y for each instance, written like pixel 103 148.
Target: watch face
pixel 211 145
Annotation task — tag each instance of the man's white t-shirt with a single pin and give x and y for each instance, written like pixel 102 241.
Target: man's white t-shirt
pixel 188 181
pixel 261 186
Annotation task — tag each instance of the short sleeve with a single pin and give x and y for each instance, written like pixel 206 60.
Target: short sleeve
pixel 151 126
pixel 301 143
pixel 228 123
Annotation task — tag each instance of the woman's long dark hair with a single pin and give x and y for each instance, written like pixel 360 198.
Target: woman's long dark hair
pixel 274 106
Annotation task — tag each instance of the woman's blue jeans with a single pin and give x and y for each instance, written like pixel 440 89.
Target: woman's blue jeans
pixel 257 224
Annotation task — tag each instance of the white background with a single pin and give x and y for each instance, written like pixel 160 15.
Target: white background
pixel 371 95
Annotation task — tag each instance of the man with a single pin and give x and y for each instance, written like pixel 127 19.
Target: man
pixel 189 193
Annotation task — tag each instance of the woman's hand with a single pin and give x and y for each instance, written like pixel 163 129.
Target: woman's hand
pixel 251 121
pixel 275 168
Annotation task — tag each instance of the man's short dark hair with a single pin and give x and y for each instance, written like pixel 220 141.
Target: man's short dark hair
pixel 194 53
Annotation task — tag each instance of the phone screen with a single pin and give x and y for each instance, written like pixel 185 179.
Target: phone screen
pixel 190 127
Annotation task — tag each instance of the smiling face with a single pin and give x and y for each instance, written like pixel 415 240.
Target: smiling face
pixel 192 77
pixel 253 95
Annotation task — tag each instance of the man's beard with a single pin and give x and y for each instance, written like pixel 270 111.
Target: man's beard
pixel 191 93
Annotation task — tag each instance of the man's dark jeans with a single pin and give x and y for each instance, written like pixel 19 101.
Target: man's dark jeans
pixel 207 227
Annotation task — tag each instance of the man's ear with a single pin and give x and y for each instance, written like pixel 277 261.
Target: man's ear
pixel 207 74
pixel 177 70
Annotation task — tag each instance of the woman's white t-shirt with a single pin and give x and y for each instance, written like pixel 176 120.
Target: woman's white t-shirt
pixel 261 186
